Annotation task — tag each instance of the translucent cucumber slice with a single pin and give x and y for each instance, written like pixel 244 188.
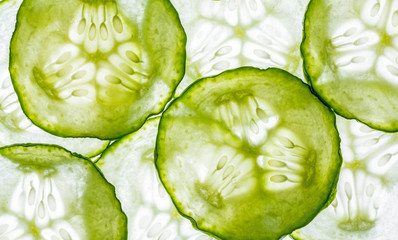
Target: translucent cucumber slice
pixel 129 165
pixel 248 154
pixel 96 68
pixel 49 193
pixel 15 127
pixel 229 34
pixel 365 205
pixel 350 52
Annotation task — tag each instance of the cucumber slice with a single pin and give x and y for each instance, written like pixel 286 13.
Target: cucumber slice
pixel 104 68
pixel 248 154
pixel 229 34
pixel 49 193
pixel 129 165
pixel 350 55
pixel 367 193
pixel 15 127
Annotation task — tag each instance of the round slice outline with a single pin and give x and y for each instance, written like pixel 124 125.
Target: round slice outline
pixel 229 34
pixel 174 174
pixel 367 187
pixel 350 65
pixel 40 207
pixel 107 70
pixel 15 127
pixel 149 209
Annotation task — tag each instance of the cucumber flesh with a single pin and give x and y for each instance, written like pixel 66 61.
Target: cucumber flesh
pixel 15 127
pixel 228 34
pixel 248 154
pixel 367 191
pixel 104 68
pixel 129 165
pixel 350 50
pixel 49 193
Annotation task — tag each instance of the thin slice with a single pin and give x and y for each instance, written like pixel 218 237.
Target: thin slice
pixel 50 193
pixel 365 206
pixel 104 68
pixel 15 127
pixel 248 154
pixel 350 52
pixel 232 33
pixel 129 165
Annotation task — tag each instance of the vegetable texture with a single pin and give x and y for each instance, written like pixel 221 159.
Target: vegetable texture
pixel 228 34
pixel 50 193
pixel 15 127
pixel 350 57
pixel 365 206
pixel 129 165
pixel 245 150
pixel 104 68
pixel 248 154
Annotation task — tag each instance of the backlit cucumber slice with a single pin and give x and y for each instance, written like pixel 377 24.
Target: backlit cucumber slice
pixel 15 127
pixel 233 33
pixel 365 206
pixel 129 165
pixel 248 154
pixel 350 52
pixel 49 193
pixel 95 68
